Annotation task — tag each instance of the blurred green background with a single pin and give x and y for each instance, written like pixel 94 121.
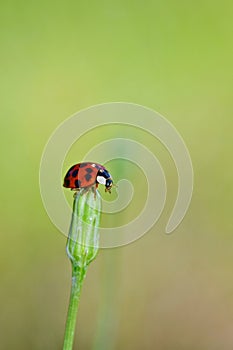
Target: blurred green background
pixel 161 292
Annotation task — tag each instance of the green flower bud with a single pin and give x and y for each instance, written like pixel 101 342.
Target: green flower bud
pixel 83 239
pixel 82 247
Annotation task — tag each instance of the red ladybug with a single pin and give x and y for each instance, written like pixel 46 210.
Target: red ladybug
pixel 83 175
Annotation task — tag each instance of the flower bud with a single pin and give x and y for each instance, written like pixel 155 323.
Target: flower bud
pixel 83 239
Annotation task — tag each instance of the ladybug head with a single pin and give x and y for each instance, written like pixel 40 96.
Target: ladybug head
pixel 108 185
pixel 104 178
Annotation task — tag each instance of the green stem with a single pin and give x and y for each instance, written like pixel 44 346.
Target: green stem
pixel 78 275
pixel 82 248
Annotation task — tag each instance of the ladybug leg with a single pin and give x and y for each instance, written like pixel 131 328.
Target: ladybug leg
pixel 76 191
pixel 85 189
pixel 94 190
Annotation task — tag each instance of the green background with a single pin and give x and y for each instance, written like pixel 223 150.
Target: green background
pixel 161 292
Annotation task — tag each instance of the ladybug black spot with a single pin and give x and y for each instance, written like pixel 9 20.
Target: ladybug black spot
pixel 71 169
pixel 82 165
pixel 88 177
pixel 77 183
pixel 66 183
pixel 75 173
pixel 89 170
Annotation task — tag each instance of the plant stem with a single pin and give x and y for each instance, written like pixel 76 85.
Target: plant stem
pixel 78 275
pixel 82 248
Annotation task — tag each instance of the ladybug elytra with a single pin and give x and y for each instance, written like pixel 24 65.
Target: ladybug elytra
pixel 83 175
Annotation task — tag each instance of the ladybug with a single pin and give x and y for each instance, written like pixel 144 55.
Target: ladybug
pixel 84 175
